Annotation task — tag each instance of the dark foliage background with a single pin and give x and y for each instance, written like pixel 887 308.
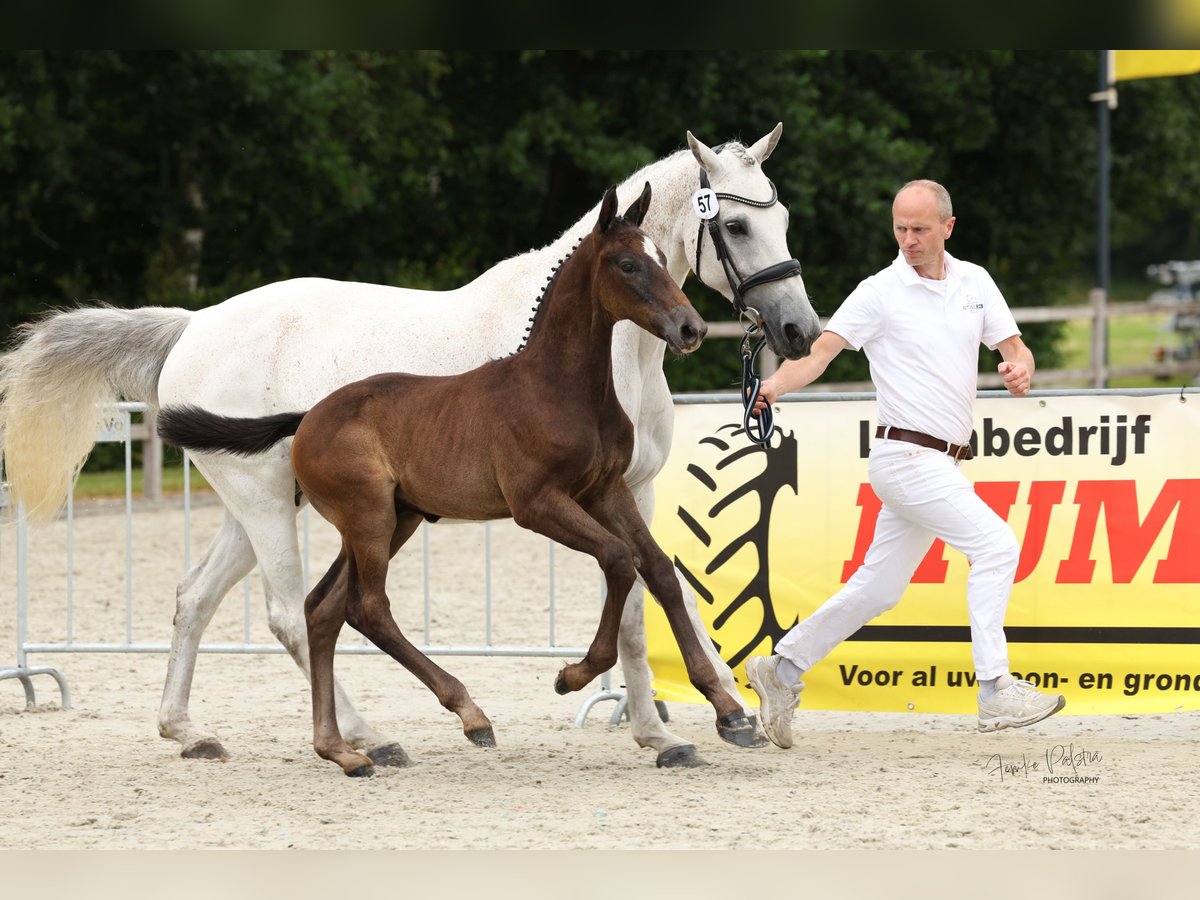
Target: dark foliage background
pixel 183 177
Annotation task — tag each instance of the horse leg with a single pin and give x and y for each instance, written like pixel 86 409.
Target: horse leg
pixel 622 515
pixel 562 519
pixel 646 724
pixel 325 613
pixel 228 559
pixel 260 493
pixel 733 724
pixel 369 612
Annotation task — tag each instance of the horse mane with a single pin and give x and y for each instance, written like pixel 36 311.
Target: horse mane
pixel 735 148
pixel 739 151
pixel 538 302
pixel 552 278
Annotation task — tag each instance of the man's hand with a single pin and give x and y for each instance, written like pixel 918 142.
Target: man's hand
pixel 767 392
pixel 1016 378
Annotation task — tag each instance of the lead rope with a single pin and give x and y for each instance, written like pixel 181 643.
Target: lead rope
pixel 751 387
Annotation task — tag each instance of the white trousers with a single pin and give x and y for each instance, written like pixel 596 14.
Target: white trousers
pixel 924 496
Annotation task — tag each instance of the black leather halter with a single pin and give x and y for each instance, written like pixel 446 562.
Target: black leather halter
pixel 789 268
pixel 760 432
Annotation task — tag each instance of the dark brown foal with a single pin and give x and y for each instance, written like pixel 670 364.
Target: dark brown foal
pixel 538 436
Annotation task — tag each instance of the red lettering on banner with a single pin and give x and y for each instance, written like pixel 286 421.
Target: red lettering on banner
pixel 1043 497
pixel 870 505
pixel 1129 540
pixel 1129 537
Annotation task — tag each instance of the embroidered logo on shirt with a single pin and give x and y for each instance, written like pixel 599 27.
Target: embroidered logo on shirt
pixel 973 304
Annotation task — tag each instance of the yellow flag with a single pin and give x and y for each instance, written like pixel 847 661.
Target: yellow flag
pixel 1155 63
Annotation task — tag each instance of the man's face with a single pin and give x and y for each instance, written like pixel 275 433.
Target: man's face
pixel 919 229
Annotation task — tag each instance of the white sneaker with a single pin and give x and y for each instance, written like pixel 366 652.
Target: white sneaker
pixel 1017 704
pixel 776 699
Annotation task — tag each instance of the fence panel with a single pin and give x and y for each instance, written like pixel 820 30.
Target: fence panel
pixel 102 579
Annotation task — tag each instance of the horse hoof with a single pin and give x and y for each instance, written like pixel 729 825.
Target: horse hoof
pixel 482 737
pixel 662 710
pixel 683 756
pixel 389 755
pixel 560 683
pixel 740 731
pixel 361 772
pixel 206 748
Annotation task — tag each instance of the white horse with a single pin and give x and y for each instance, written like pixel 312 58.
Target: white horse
pixel 286 345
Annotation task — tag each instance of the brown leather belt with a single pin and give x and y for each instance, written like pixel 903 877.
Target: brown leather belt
pixel 955 451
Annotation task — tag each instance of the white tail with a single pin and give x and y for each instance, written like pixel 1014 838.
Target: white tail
pixel 53 382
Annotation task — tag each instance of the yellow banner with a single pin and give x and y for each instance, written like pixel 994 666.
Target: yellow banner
pixel 1102 491
pixel 1155 63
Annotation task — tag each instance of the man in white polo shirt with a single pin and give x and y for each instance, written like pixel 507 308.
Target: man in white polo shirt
pixel 920 322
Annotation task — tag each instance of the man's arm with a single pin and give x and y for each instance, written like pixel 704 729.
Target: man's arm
pixel 794 374
pixel 1017 367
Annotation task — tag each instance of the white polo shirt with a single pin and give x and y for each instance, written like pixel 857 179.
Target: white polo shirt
pixel 922 340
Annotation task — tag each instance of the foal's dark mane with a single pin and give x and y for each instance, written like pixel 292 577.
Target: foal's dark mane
pixel 539 302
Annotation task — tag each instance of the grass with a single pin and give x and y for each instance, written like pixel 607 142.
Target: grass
pixel 1132 341
pixel 94 485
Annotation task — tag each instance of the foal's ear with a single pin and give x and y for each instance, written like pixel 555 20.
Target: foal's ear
pixel 608 209
pixel 637 209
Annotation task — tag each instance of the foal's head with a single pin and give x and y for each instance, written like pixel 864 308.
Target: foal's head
pixel 630 278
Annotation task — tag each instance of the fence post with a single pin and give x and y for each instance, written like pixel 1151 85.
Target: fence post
pixel 152 461
pixel 1098 299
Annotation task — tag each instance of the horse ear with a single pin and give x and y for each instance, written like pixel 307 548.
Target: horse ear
pixel 703 153
pixel 762 149
pixel 637 209
pixel 608 209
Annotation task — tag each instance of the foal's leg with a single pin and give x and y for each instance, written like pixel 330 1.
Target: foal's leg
pixel 259 493
pixel 325 613
pixel 620 512
pixel 646 725
pixel 369 612
pixel 561 518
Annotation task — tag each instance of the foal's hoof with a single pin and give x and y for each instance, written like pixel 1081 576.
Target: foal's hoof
pixel 206 748
pixel 389 755
pixel 741 731
pixel 683 756
pixel 482 737
pixel 361 772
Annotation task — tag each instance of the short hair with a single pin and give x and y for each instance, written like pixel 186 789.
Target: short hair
pixel 945 207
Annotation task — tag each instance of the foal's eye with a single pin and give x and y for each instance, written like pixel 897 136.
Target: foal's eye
pixel 627 266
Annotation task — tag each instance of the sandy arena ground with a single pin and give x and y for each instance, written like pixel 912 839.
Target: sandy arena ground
pixel 98 776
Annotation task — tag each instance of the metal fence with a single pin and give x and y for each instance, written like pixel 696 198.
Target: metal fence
pixel 119 426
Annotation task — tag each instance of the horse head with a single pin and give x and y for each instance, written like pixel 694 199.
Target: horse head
pixel 630 277
pixel 741 250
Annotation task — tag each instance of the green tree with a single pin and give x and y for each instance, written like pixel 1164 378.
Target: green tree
pixel 185 177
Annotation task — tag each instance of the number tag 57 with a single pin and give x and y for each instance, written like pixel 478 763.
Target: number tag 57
pixel 704 202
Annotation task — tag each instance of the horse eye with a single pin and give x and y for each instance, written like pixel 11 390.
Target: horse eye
pixel 735 227
pixel 627 266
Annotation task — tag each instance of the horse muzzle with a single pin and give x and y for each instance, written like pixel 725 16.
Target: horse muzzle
pixel 683 330
pixel 790 324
